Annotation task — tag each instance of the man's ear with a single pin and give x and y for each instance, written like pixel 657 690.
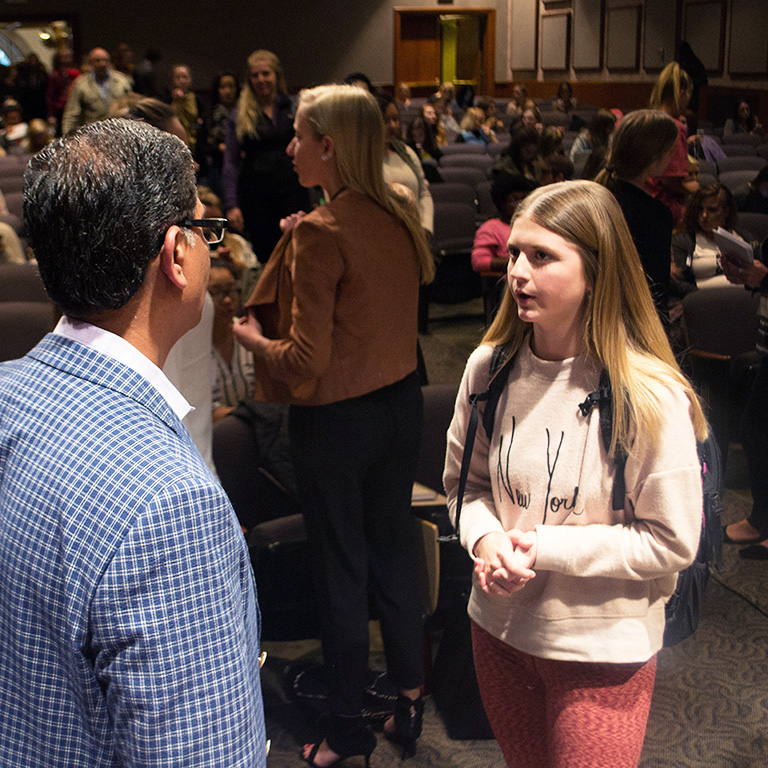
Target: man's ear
pixel 171 256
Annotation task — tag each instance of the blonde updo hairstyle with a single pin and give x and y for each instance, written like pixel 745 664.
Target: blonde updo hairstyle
pixel 672 81
pixel 621 329
pixel 351 117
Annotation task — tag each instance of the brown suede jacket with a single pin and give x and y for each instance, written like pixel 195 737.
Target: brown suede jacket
pixel 338 299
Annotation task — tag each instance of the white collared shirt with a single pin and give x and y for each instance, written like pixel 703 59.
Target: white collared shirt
pixel 119 349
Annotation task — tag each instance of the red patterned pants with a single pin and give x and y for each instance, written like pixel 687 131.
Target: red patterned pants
pixel 547 713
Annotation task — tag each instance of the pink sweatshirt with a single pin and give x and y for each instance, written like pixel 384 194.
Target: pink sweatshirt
pixel 490 240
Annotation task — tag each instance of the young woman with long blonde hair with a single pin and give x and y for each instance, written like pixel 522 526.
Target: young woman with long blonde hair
pixel 568 598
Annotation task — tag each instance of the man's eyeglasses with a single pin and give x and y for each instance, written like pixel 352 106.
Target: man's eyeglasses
pixel 213 229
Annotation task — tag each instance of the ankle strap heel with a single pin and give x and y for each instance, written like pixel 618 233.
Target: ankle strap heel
pixel 409 716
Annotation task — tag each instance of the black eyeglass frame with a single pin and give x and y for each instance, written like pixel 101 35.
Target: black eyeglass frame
pixel 220 224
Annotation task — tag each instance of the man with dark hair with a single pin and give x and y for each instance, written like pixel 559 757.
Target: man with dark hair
pixel 129 630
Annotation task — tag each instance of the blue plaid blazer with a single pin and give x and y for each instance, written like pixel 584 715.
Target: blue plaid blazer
pixel 129 630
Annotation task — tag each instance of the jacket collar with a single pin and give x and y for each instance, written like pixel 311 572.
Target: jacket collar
pixel 88 364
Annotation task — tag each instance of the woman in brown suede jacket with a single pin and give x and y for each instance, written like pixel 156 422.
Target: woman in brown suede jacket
pixel 332 325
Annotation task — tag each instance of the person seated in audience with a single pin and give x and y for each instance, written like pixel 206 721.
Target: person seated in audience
pixel 241 249
pixel 448 123
pixel 14 132
pixel 489 251
pixel 531 118
pixel 465 97
pixel 642 146
pixel 595 135
pixel 516 104
pixel 696 254
pixel 553 169
pixel 403 95
pixel 519 156
pixel 551 142
pixel 475 129
pixel 232 362
pixel 601 127
pixel 233 248
pixel 488 105
pixel 421 139
pixel 38 136
pixel 564 101
pixel 401 165
pixel 753 530
pixel 743 120
pixel 756 199
pixel 447 93
pixel 430 116
pixel 691 183
pixel 671 94
pixel 11 249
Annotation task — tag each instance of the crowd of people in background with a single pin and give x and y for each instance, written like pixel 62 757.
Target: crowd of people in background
pixel 239 130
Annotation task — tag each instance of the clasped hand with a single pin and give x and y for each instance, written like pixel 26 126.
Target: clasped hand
pixel 247 330
pixel 503 561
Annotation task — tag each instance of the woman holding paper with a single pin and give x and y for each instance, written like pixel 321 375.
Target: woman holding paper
pixel 696 251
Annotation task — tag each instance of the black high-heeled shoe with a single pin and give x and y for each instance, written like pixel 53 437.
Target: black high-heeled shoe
pixel 347 737
pixel 409 715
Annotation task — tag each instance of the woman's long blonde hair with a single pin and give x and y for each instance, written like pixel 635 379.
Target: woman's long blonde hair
pixel 666 93
pixel 621 330
pixel 352 118
pixel 248 109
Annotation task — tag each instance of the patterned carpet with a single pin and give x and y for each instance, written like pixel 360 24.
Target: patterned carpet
pixel 710 704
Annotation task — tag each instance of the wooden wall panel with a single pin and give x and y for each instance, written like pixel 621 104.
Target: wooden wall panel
pixel 555 41
pixel 660 30
pixel 523 34
pixel 587 34
pixel 623 49
pixel 749 38
pixel 704 30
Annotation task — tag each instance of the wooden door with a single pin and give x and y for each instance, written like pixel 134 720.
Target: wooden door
pixel 420 56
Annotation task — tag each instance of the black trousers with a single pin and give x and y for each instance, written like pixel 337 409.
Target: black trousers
pixel 355 462
pixel 754 439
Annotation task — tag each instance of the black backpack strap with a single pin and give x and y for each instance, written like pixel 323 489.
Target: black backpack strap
pixel 604 399
pixel 498 373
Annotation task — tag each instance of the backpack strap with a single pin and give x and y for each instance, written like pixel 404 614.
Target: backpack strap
pixel 604 399
pixel 498 373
